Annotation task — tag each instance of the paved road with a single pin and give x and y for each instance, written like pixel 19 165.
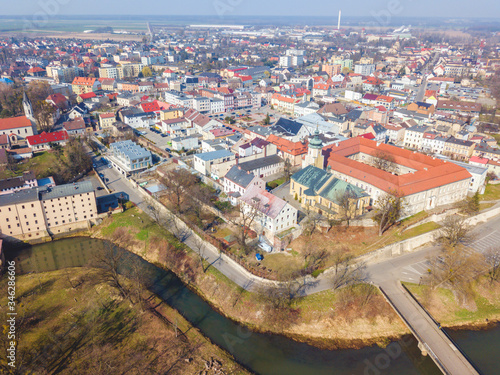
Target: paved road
pixel 430 336
pixel 421 91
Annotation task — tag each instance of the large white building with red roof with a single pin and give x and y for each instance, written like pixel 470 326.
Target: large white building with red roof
pixel 17 128
pixel 424 181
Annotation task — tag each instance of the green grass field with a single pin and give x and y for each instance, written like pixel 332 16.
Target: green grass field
pixel 42 164
pixel 491 193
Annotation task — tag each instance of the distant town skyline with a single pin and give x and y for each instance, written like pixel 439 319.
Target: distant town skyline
pixel 393 8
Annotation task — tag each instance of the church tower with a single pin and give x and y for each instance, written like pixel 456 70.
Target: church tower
pixel 28 108
pixel 315 152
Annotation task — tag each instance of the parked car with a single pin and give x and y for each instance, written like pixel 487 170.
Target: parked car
pixel 259 257
pixel 100 188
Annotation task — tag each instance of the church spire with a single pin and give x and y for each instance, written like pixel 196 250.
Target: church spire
pixel 28 108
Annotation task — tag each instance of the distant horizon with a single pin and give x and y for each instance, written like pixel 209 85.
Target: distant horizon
pixel 333 16
pixel 255 8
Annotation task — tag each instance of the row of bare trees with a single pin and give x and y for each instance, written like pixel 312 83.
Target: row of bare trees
pixel 458 265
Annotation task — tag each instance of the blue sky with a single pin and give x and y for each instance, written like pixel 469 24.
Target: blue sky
pixel 405 8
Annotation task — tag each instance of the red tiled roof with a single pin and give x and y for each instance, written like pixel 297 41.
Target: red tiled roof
pixel 43 138
pixel 288 147
pixel 150 107
pixel 478 159
pixel 57 98
pixel 107 115
pixel 430 173
pixel 14 122
pixel 88 95
pixel 84 81
pixel 36 69
pixel 367 136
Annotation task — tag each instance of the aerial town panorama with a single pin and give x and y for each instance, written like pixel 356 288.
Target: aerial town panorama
pixel 244 193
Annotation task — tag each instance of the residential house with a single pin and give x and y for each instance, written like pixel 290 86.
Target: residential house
pixel 263 167
pixel 288 150
pixel 414 136
pixel 82 85
pixel 203 162
pixel 272 214
pixel 236 182
pixel 45 141
pixel 458 149
pixel 106 120
pixel 11 185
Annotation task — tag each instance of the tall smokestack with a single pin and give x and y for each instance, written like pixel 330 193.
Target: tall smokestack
pixel 338 25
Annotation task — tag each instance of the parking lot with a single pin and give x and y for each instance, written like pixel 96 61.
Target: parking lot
pixel 156 138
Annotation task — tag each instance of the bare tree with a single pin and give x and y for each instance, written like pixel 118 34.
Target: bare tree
pixel 282 294
pixel 177 227
pixel 107 260
pixel 455 267
pixel 198 245
pixel 44 115
pixel 384 161
pixel 178 182
pixel 314 258
pixel 492 259
pixel 249 213
pixel 312 220
pixel 388 209
pixel 154 210
pixel 347 202
pixel 346 271
pixel 454 230
pixel 287 169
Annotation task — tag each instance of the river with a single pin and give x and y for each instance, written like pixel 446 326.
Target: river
pixel 261 353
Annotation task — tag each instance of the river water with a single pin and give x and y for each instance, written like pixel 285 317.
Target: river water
pixel 260 353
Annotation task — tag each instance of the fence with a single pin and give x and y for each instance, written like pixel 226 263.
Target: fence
pixel 216 244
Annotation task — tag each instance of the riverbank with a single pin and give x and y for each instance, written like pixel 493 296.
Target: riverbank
pixel 350 318
pixel 96 329
pixel 480 311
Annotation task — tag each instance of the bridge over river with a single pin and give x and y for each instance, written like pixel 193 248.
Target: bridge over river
pixel 432 340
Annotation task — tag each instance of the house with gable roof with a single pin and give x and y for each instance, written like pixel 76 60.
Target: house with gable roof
pixel 272 214
pixel 236 182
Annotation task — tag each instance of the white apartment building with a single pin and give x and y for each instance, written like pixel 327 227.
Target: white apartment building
pixel 414 136
pixel 128 157
pixel 364 69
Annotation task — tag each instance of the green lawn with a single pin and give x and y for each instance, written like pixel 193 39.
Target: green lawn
pixel 275 183
pixel 497 137
pixel 42 164
pixel 417 231
pixel 491 193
